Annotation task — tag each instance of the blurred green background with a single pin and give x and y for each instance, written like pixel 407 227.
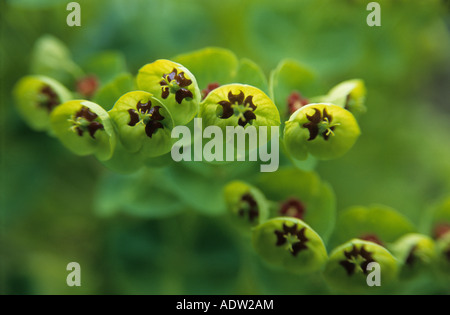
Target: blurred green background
pixel 48 195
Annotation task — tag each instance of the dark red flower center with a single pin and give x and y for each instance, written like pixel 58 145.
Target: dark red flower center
pixel 295 101
pixel 292 207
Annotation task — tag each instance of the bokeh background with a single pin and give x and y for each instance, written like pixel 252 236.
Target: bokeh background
pixel 48 210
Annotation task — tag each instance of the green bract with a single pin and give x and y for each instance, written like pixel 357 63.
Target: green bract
pixel 415 252
pixel 349 95
pixel 347 268
pixel 302 195
pixel 291 86
pixel 143 124
pixel 51 57
pixel 84 128
pixel 247 205
pixel 239 105
pixel 291 244
pixel 214 67
pixel 377 223
pixel 325 131
pixel 174 85
pixel 36 97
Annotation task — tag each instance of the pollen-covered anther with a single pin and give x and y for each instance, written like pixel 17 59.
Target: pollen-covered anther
pixel 85 120
pixel 292 238
pixel 175 83
pixel 248 207
pixel 357 260
pixel 320 123
pixel 295 101
pixel 292 208
pixel 48 98
pixel 147 115
pixel 240 106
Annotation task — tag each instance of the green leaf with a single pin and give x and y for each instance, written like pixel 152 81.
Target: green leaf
pixel 378 221
pixel 250 73
pixel 109 93
pixel 106 65
pixel 210 65
pixel 50 57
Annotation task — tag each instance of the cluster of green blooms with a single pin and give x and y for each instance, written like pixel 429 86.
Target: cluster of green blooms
pixel 126 123
pixel 288 231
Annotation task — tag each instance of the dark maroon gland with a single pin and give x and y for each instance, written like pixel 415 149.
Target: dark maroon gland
pixel 315 120
pixel 87 86
pixel 48 98
pixel 209 88
pixel 249 207
pixel 295 101
pixel 91 126
pixel 175 82
pixel 356 258
pixel 441 229
pixel 292 208
pixel 371 238
pixel 148 115
pixel 239 105
pixel 294 238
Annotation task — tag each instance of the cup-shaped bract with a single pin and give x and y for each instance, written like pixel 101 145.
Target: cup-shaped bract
pixel 239 105
pixel 350 95
pixel 84 128
pixel 415 252
pixel 350 266
pixel 246 204
pixel 174 85
pixel 325 131
pixel 290 244
pixel 36 97
pixel 143 124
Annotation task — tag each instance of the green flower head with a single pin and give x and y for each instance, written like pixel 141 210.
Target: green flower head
pixel 246 204
pixel 36 97
pixel 84 128
pixel 238 105
pixel 325 131
pixel 290 244
pixel 416 253
pixel 143 124
pixel 349 265
pixel 174 85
